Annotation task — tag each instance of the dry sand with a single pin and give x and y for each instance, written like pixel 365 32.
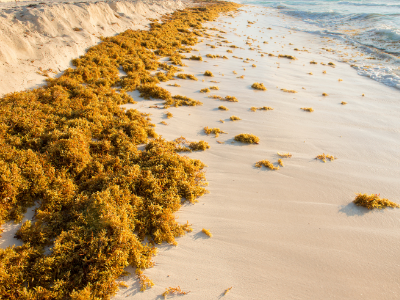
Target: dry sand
pixel 292 233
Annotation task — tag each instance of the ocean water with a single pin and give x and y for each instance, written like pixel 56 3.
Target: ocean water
pixel 373 26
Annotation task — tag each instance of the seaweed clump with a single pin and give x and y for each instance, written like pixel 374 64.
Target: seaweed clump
pixel 258 86
pixel 247 138
pixel 208 73
pixel 234 118
pixel 205 90
pixel 221 107
pixel 72 150
pixel 374 201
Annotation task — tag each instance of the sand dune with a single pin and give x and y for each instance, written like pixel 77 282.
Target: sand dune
pixel 46 37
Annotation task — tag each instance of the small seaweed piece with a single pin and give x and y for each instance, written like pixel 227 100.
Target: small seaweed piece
pixel 234 118
pixel 164 123
pixel 247 138
pixel 324 156
pixel 258 86
pixel 214 87
pixel 267 164
pixel 231 99
pixel 331 64
pixel 286 56
pixel 145 282
pixel 207 232
pixel 313 62
pixel 186 76
pixel 175 84
pixel 374 201
pixel 215 131
pixel 265 108
pixel 205 90
pixel 253 65
pixel 309 109
pixel 280 162
pixel 200 145
pixel 208 73
pixel 194 57
pixel 288 91
pixel 325 94
pixel 253 108
pixel 216 97
pixel 169 115
pixel 221 107
pixel 173 290
pixel 343 103
pixel 286 155
pixel 227 290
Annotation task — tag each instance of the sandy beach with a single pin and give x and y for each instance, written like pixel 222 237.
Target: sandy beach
pixel 291 233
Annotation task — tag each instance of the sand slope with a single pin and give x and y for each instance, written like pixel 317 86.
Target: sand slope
pixel 49 35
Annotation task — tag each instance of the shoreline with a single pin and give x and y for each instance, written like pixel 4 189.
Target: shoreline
pixel 291 233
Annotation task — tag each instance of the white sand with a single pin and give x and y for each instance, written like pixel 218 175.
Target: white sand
pixel 43 36
pixel 291 233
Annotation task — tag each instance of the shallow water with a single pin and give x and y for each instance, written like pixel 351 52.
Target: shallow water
pixel 373 26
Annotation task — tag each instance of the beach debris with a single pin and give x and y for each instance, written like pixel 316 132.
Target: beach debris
pixel 340 79
pixel 221 107
pixel 325 94
pixel 374 201
pixel 216 97
pixel 169 115
pixel 234 118
pixel 194 57
pixel 308 109
pixel 207 232
pixel 208 73
pixel 214 87
pixel 267 164
pixel 258 86
pixel 343 103
pixel 175 84
pixel 205 90
pixel 247 138
pixel 164 123
pixel 313 62
pixel 324 157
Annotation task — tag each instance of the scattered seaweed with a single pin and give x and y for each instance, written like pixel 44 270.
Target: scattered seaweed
pixel 258 86
pixel 247 138
pixel 374 201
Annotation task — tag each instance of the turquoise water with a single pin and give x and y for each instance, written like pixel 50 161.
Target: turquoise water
pixel 372 25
